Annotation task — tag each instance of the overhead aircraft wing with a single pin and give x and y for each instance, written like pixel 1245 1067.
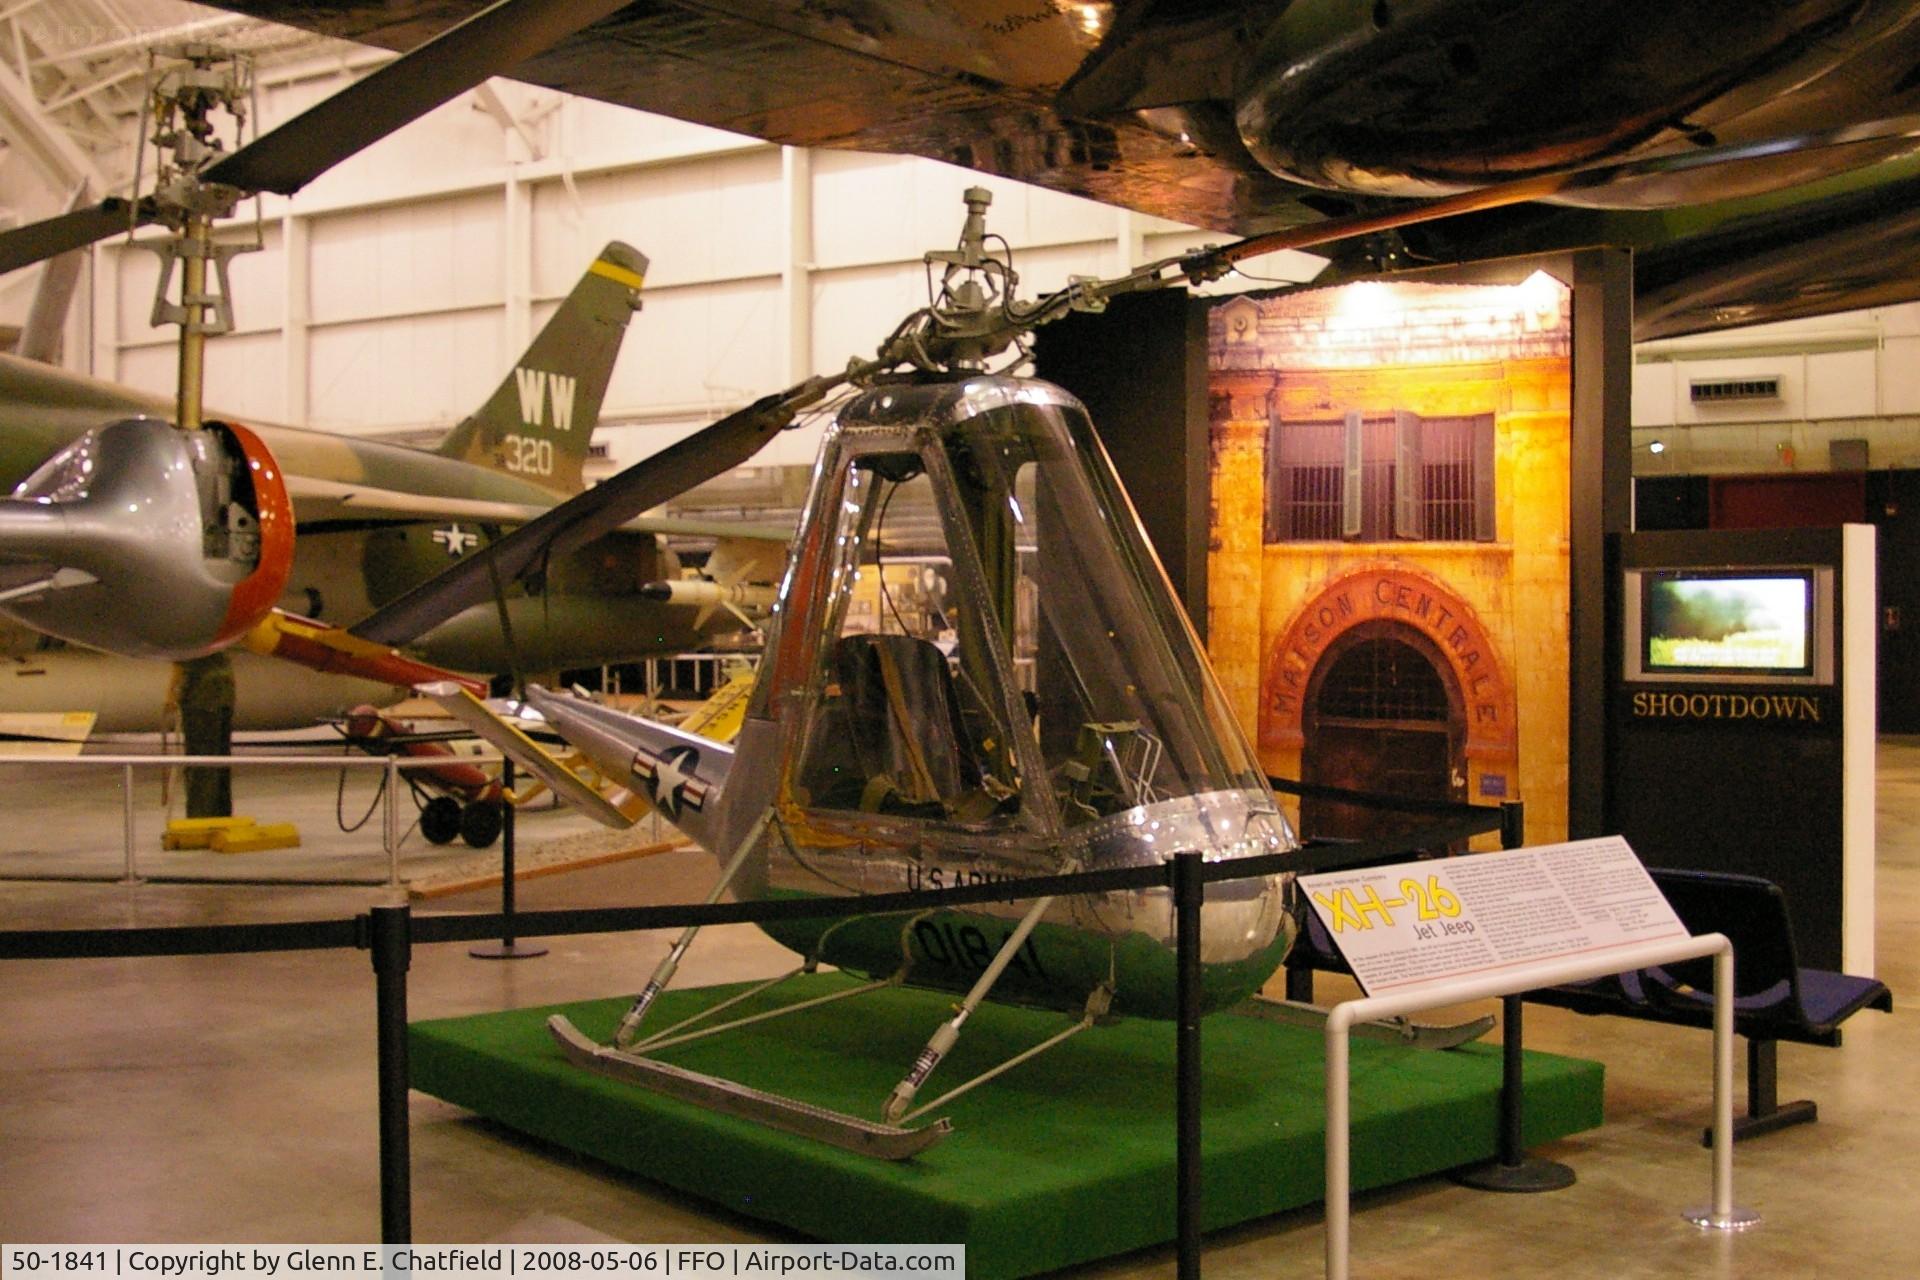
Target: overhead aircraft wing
pixel 972 84
pixel 316 499
pixel 1273 114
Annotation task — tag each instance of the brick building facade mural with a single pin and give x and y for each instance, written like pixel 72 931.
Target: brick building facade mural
pixel 1388 570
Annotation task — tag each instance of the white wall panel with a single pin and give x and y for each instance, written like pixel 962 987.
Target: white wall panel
pixel 1045 217
pixel 404 259
pixel 1902 321
pixel 1900 375
pixel 714 345
pixel 243 377
pixel 1043 270
pixel 391 373
pixel 854 309
pixel 134 274
pixel 716 218
pixel 590 132
pixel 156 369
pixel 872 208
pixel 1842 384
pixel 1653 393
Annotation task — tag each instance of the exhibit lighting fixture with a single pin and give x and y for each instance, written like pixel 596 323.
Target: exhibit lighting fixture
pixel 1370 304
pixel 1544 295
pixel 1094 18
pixel 1657 446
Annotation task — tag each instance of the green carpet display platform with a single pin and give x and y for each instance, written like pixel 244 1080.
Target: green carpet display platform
pixel 1064 1159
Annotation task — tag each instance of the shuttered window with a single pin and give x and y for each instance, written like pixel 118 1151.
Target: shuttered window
pixel 1379 477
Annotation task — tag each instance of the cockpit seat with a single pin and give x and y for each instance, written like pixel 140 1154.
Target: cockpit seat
pixel 903 715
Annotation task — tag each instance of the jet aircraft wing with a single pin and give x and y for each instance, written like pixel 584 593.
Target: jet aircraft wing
pixel 316 498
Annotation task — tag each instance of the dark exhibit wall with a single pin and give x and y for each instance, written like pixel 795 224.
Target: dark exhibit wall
pixel 1893 505
pixel 1730 711
pixel 1790 500
pixel 1888 500
pixel 1140 367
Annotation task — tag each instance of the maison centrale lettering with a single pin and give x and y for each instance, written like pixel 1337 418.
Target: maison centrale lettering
pixel 1416 601
pixel 1784 708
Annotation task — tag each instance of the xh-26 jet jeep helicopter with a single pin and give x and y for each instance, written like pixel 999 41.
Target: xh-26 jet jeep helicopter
pixel 1054 713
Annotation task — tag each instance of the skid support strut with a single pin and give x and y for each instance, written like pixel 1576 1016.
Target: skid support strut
pixel 789 1115
pixel 949 1032
pixel 629 1028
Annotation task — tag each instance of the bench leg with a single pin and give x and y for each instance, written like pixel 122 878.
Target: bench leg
pixel 1765 1112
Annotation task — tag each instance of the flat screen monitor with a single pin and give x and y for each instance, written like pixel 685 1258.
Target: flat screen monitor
pixel 1762 624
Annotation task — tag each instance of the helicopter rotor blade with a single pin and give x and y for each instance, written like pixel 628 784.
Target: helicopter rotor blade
pixel 51 237
pixel 494 40
pixel 723 445
pixel 285 159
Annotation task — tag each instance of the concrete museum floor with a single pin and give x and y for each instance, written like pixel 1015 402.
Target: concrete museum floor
pixel 232 1099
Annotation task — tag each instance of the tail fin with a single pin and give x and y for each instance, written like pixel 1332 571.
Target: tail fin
pixel 538 423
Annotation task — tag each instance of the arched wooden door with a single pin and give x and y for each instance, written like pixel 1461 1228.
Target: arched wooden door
pixel 1382 713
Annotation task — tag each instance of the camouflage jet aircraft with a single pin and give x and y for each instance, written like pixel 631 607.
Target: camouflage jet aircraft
pixel 375 519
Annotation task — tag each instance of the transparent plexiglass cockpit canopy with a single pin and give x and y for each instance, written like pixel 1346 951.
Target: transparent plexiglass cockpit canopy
pixel 987 638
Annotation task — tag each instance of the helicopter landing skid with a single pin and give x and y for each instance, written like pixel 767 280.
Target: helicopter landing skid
pixel 1400 1031
pixel 822 1124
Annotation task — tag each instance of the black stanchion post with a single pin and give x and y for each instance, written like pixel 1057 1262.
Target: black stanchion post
pixel 391 941
pixel 1189 890
pixel 509 947
pixel 1511 1083
pixel 1513 823
pixel 1513 1169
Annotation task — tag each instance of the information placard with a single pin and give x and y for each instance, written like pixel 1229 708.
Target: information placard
pixel 1419 923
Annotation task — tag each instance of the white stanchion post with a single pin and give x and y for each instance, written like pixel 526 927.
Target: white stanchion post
pixel 1721 1214
pixel 393 822
pixel 1723 1085
pixel 393 767
pixel 1339 1138
pixel 131 875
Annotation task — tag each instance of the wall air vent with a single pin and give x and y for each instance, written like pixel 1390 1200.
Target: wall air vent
pixel 599 450
pixel 1734 390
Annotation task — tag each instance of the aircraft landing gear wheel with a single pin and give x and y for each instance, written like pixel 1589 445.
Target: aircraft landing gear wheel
pixel 440 820
pixel 480 824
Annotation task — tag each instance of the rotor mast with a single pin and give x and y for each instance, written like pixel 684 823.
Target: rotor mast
pixel 201 80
